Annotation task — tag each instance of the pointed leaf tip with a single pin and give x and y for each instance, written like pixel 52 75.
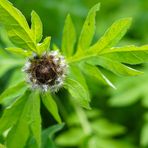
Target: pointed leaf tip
pixel 45 45
pixel 96 7
pixel 88 29
pixel 113 35
pixel 68 37
pixel 36 26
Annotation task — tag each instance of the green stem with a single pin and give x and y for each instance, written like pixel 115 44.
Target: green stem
pixel 83 119
pixel 62 110
pixel 79 57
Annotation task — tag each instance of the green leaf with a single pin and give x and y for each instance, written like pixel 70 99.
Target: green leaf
pixel 12 113
pixel 128 54
pixel 114 66
pixel 13 92
pixel 71 137
pixel 19 51
pixel 105 128
pixel 34 121
pixel 55 47
pixel 29 121
pixel 20 132
pixel 89 142
pixel 88 29
pixel 47 135
pixel 76 74
pixel 94 113
pixel 95 72
pixel 69 37
pixel 144 100
pixel 36 26
pixel 17 27
pixel 125 99
pixel 35 117
pixel 51 105
pixel 99 142
pixel 127 94
pixel 44 46
pixel 2 146
pixel 112 35
pixel 144 135
pixel 81 97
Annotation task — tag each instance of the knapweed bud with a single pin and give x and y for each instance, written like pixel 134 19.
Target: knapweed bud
pixel 47 71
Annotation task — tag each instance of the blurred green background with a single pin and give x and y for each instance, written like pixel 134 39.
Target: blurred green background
pixel 118 117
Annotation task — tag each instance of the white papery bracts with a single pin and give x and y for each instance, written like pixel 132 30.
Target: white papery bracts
pixel 46 72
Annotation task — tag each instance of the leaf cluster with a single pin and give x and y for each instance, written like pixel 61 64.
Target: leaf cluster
pixel 22 105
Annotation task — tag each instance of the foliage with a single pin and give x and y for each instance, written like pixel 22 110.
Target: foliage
pixel 21 119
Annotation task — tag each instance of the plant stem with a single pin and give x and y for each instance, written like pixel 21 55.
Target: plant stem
pixel 83 120
pixel 62 109
pixel 81 56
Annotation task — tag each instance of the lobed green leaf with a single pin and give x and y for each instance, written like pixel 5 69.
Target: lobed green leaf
pixel 29 119
pixel 113 35
pixel 76 74
pixel 36 26
pixel 17 27
pixel 81 97
pixel 114 66
pixel 144 135
pixel 107 129
pixel 95 72
pixel 71 137
pixel 20 131
pixel 35 117
pixel 12 113
pixel 69 37
pixel 44 46
pixel 51 105
pixel 128 54
pixel 88 29
pixel 47 135
pixel 127 97
pixel 13 92
pixel 19 51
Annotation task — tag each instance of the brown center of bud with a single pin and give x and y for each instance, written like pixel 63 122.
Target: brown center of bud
pixel 44 72
pixel 47 71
